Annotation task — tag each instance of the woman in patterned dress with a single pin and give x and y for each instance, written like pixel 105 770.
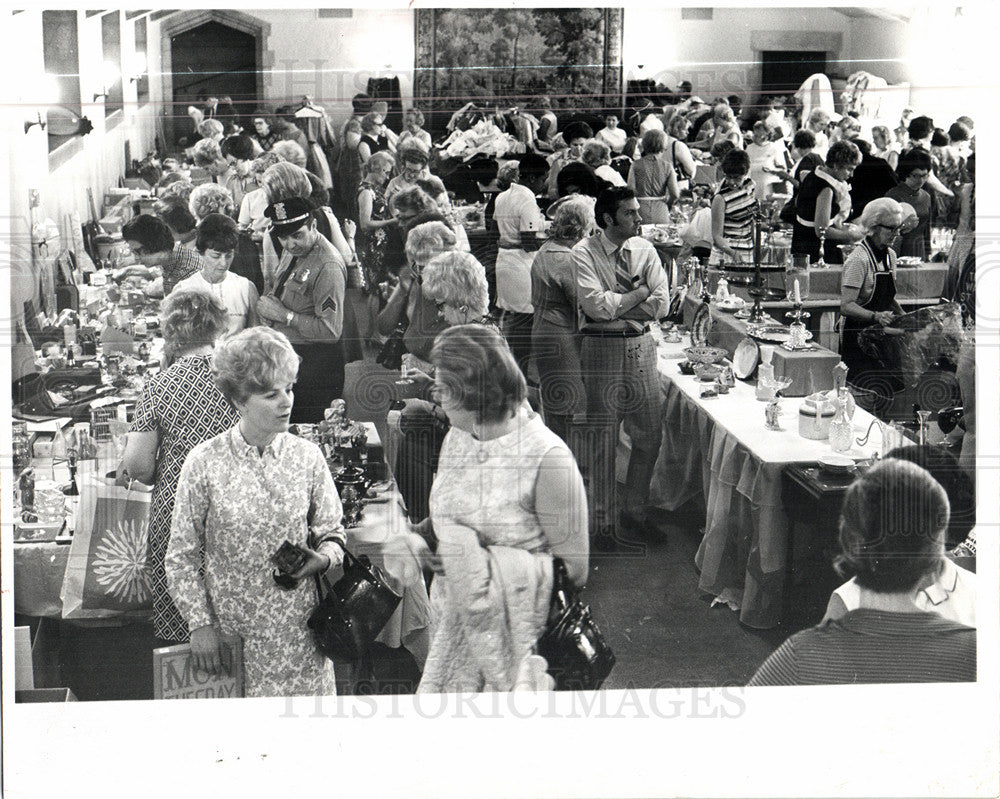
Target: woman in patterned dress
pixel 240 495
pixel 178 409
pixel 377 228
pixel 507 497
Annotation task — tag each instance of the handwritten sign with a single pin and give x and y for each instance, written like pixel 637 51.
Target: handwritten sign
pixel 175 675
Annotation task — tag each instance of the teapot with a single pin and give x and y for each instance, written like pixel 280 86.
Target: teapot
pixel 353 476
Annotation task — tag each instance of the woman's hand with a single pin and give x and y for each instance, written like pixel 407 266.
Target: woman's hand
pixel 416 541
pixel 205 649
pixel 317 562
pixel 884 317
pixel 349 226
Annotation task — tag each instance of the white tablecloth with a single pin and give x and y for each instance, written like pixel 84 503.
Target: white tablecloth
pixel 718 448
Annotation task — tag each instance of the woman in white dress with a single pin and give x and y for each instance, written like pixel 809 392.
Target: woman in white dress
pixel 507 497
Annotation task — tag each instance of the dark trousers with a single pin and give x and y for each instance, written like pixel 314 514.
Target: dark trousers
pixel 517 330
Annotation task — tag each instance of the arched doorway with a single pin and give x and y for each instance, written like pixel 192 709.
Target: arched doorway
pixel 211 54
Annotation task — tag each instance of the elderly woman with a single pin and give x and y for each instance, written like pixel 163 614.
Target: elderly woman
pixel 507 497
pixel 207 154
pixel 597 155
pixel 240 151
pixel 413 159
pixel 210 198
pixel 823 203
pixel 262 132
pixel 732 211
pixel 818 123
pixel 456 283
pixel 678 153
pixel 179 408
pixel 913 170
pixel 251 214
pixel 216 242
pixel 723 128
pixel 374 137
pixel 290 151
pixel 555 345
pixel 408 304
pixel 413 128
pixel 868 288
pixel 892 541
pixel 653 180
pixel 240 496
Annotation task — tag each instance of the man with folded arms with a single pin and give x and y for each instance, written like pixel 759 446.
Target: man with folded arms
pixel 622 288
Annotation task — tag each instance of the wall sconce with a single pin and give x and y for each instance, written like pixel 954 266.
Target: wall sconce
pixel 138 68
pixel 66 122
pixel 29 124
pixel 110 77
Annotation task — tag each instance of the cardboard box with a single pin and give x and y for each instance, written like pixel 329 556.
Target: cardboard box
pixel 175 676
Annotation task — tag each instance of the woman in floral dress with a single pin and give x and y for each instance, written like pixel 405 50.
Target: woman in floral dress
pixel 178 409
pixel 241 495
pixel 376 224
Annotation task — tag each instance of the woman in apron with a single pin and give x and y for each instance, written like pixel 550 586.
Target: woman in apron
pixel 868 294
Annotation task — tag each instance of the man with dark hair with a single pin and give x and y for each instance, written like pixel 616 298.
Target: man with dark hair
pixel 621 288
pixel 216 242
pixel 153 246
pixel 182 223
pixel 307 305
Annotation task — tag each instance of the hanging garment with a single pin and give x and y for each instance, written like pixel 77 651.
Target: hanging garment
pixel 815 92
pixel 314 123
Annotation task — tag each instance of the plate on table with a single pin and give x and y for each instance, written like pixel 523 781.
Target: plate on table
pixel 774 334
pixel 835 463
pixel 731 305
pixel 701 325
pixel 745 358
pixel 908 260
pixel 706 354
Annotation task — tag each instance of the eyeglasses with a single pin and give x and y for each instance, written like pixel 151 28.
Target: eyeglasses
pixel 891 228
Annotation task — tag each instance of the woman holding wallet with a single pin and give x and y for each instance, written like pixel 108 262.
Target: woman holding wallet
pixel 240 496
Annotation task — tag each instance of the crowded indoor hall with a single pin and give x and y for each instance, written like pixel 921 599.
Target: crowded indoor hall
pixel 402 351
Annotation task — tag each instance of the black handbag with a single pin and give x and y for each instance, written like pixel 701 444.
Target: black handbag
pixel 353 611
pixel 391 354
pixel 578 656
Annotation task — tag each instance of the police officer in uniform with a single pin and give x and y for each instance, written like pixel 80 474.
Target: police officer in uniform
pixel 307 305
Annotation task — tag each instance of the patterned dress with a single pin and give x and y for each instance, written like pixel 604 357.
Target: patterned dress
pixel 373 245
pixel 183 406
pixel 240 505
pixel 488 488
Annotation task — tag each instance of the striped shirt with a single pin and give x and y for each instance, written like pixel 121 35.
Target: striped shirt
pixel 874 646
pixel 740 201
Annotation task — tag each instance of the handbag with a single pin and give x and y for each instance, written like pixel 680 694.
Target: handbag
pixel 391 354
pixel 578 656
pixel 353 611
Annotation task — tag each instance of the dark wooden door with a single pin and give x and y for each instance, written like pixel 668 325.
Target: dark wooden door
pixel 783 71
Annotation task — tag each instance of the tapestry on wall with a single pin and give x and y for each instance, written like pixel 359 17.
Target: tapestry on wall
pixel 509 56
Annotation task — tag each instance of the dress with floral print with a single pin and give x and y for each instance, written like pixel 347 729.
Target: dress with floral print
pixel 239 506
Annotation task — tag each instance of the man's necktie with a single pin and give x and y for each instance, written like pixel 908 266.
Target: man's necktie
pixel 623 276
pixel 284 277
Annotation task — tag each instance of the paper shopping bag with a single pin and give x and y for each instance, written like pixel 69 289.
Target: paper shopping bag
pixel 106 572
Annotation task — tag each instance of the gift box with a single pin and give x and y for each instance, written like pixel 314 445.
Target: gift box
pixel 809 370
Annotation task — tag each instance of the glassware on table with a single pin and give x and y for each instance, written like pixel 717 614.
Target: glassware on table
pixel 404 376
pixel 821 233
pixel 841 428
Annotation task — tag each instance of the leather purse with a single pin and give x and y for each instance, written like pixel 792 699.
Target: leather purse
pixel 578 656
pixel 353 611
pixel 391 354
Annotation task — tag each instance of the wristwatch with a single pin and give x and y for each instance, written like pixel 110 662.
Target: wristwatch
pixel 288 318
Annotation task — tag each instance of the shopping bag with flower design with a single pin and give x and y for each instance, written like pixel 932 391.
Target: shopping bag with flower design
pixel 106 572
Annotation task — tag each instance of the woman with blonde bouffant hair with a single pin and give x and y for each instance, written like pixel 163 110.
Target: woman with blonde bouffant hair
pixel 241 495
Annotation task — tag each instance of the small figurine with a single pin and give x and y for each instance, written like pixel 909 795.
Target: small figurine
pixel 772 412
